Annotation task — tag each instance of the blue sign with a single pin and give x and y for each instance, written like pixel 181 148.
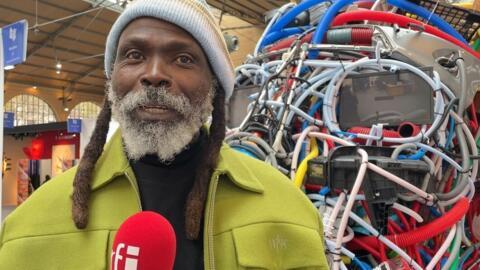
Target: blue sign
pixel 8 119
pixel 15 43
pixel 74 125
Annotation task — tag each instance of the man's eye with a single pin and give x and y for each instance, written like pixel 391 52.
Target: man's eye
pixel 135 55
pixel 184 59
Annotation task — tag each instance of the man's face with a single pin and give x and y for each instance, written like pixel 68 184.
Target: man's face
pixel 161 88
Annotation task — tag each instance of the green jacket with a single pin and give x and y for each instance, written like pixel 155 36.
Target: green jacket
pixel 255 219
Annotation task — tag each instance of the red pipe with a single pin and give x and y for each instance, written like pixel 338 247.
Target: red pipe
pixel 402 21
pixel 364 130
pixel 408 129
pixel 422 233
pixel 360 36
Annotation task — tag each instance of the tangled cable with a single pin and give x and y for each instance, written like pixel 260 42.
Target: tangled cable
pixel 393 187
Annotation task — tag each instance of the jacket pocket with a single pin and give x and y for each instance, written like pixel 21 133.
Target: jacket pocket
pixel 279 246
pixel 72 251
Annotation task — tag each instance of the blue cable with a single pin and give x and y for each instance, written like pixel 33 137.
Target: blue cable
pixel 292 14
pixel 311 112
pixel 402 4
pixel 425 257
pixel 324 191
pixel 465 257
pixel 361 264
pixel 435 212
pixel 277 35
pixel 417 156
pixel 426 14
pixel 451 132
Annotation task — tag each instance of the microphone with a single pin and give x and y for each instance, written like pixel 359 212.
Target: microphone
pixel 145 241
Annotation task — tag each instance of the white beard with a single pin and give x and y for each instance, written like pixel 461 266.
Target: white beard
pixel 164 138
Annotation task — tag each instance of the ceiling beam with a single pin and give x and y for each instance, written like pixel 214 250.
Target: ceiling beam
pixel 253 19
pixel 20 11
pixel 67 81
pixel 38 67
pixel 79 90
pixel 58 32
pixel 74 11
pixel 84 75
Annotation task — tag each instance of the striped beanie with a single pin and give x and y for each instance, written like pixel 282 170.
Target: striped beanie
pixel 193 16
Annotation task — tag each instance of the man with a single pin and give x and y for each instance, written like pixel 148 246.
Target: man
pixel 168 70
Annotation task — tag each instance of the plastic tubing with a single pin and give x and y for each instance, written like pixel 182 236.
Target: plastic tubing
pixel 427 231
pixel 408 211
pixel 471 141
pixel 426 14
pixel 348 207
pixel 463 94
pixel 456 247
pixel 302 169
pixel 442 249
pixel 291 14
pixel 298 147
pixel 295 110
pixel 402 21
pixel 248 136
pixel 274 36
pixel 328 110
pixel 401 182
pixel 334 215
pixel 374 232
pixel 272 21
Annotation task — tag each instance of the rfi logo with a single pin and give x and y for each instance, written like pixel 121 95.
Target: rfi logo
pixel 130 262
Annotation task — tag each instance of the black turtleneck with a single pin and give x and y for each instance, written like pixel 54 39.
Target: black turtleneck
pixel 164 189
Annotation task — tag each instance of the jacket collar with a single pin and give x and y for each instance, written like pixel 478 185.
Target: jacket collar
pixel 113 163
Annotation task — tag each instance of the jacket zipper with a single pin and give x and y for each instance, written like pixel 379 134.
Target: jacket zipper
pixel 210 211
pixel 135 188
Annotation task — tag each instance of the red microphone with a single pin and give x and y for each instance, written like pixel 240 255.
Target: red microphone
pixel 145 241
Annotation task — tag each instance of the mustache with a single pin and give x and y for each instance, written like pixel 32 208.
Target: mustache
pixel 154 96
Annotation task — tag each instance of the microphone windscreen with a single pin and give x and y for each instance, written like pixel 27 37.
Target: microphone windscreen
pixel 145 241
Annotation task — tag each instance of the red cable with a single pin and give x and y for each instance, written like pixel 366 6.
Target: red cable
pixel 425 232
pixel 368 248
pixel 474 121
pixel 415 208
pixel 402 21
pixel 448 185
pixel 418 257
pixel 471 260
pixel 395 226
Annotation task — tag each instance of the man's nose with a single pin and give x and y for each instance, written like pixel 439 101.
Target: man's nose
pixel 156 74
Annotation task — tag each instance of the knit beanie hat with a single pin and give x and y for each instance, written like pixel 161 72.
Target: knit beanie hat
pixel 195 17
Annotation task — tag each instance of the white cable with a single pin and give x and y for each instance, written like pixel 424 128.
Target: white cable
pixel 443 248
pixel 348 208
pixel 373 231
pixel 408 211
pixel 333 216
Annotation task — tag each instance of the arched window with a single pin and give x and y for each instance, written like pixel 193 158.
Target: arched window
pixel 85 109
pixel 30 110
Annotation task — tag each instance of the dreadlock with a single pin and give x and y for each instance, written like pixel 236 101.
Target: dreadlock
pixel 196 198
pixel 81 182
